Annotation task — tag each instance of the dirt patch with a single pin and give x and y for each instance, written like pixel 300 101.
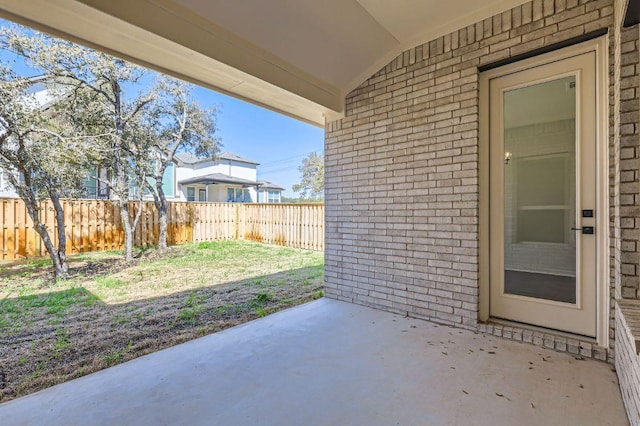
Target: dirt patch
pixel 110 311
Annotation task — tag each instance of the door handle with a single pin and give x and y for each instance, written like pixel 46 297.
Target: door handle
pixel 588 230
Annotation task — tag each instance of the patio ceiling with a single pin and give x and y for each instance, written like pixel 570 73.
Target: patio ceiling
pixel 297 57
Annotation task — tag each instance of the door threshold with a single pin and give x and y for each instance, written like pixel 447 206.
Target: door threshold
pixel 573 344
pixel 559 333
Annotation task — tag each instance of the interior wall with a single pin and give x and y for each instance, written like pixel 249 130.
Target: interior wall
pixel 553 140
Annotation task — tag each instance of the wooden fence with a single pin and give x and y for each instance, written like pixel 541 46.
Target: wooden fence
pixel 94 225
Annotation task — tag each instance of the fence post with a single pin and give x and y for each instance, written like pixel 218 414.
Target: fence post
pixel 237 208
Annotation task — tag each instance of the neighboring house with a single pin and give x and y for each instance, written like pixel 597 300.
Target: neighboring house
pixel 6 190
pixel 225 178
pixel 41 92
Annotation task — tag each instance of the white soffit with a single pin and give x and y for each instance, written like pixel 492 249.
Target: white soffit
pixel 298 57
pixel 328 39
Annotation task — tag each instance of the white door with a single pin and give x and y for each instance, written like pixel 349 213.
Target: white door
pixel 542 172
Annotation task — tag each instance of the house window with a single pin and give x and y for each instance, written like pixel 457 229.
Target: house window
pixel 90 184
pixel 202 195
pixel 274 196
pixel 168 181
pixel 191 194
pixel 238 195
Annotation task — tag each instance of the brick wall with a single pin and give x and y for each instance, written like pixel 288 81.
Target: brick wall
pixel 629 162
pixel 402 166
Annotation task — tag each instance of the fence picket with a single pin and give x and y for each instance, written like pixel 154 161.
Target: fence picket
pixel 94 225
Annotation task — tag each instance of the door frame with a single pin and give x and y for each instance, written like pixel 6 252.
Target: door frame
pixel 600 47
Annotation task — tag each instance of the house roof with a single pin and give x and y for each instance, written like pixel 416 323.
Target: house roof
pixel 187 158
pixel 265 184
pixel 297 58
pixel 234 157
pixel 217 178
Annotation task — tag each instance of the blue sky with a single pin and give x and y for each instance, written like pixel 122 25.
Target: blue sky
pixel 277 142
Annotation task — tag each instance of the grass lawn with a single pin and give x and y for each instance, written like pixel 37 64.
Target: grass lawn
pixel 108 312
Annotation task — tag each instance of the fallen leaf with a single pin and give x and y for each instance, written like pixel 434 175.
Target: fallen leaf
pixel 500 395
pixel 444 353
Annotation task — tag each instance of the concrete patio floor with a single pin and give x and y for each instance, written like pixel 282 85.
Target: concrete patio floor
pixel 334 363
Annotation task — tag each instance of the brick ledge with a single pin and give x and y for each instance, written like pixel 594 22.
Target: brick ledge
pixel 630 309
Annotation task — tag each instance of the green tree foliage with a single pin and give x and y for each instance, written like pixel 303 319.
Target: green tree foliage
pixel 296 200
pixel 135 127
pixel 97 106
pixel 39 155
pixel 175 123
pixel 312 180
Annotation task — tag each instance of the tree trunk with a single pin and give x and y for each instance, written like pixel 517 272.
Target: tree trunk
pixel 58 256
pixel 128 231
pixel 61 252
pixel 163 212
pixel 162 205
pixel 164 224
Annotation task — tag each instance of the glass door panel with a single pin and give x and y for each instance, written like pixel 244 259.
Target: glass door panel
pixel 539 133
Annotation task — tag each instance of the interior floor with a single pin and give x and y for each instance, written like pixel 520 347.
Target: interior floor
pixel 541 286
